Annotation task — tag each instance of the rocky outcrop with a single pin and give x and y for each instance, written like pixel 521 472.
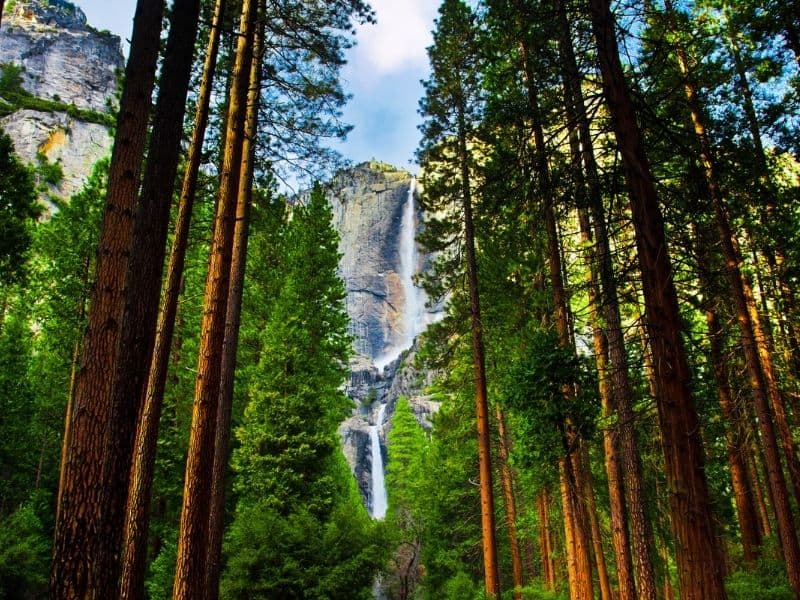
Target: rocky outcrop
pixel 63 58
pixel 69 64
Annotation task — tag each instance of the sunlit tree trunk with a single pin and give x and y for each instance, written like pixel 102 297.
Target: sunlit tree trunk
pixel 193 533
pixel 228 368
pixel 734 431
pixel 139 493
pixel 698 553
pixel 80 546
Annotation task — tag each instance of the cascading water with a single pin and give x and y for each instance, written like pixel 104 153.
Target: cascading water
pixel 379 499
pixel 414 317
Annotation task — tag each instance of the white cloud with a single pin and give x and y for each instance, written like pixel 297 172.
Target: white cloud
pixel 400 37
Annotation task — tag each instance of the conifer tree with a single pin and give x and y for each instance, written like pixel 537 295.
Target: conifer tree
pixel 450 105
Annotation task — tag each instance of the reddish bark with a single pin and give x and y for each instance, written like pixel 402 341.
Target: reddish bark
pixel 697 548
pixel 80 547
pixel 193 532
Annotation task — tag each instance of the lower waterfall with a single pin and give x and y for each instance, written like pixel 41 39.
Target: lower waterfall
pixel 379 498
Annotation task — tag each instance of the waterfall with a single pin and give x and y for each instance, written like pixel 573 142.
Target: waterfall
pixel 379 500
pixel 415 317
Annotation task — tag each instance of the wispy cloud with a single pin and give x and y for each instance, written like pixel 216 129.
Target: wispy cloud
pixel 399 39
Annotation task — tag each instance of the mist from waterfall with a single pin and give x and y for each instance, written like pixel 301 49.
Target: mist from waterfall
pixel 379 497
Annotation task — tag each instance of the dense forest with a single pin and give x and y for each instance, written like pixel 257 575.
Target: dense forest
pixel 611 202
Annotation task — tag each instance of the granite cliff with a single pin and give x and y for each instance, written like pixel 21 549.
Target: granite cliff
pixel 68 74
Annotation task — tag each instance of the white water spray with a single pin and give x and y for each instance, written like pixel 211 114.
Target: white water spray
pixel 379 499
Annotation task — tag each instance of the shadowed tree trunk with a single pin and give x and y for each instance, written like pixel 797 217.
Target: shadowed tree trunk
pixel 79 542
pixel 141 478
pixel 697 547
pixel 143 279
pixel 193 533
pixel 232 319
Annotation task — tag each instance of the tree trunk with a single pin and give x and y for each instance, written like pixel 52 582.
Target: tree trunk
pixel 545 541
pixel 193 533
pixel 582 459
pixel 698 553
pixel 575 520
pixel 613 462
pixel 757 355
pixel 491 572
pixel 79 543
pixel 511 506
pixel 73 375
pixel 143 281
pixel 613 339
pixel 734 431
pixel 232 320
pixel 139 493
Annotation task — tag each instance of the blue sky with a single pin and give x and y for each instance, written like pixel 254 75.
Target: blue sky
pixel 383 74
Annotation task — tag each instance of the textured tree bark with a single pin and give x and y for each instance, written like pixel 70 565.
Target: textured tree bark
pixel 137 516
pixel 193 533
pixel 232 320
pixel 757 355
pixel 510 502
pixel 143 280
pixel 697 548
pixel 79 543
pixel 491 571
pixel 575 518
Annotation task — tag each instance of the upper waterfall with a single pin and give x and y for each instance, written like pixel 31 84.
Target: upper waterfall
pixel 413 317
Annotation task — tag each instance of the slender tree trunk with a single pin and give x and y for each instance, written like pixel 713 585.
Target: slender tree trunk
pixel 232 320
pixel 582 459
pixel 73 375
pixel 613 463
pixel 698 553
pixel 757 354
pixel 774 253
pixel 765 527
pixel 575 519
pixel 734 431
pixel 141 478
pixel 511 505
pixel 612 338
pixel 79 543
pixel 143 281
pixel 193 532
pixel 545 540
pixel 491 572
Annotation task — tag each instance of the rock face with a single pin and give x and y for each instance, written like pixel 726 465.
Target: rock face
pixel 64 60
pixel 377 226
